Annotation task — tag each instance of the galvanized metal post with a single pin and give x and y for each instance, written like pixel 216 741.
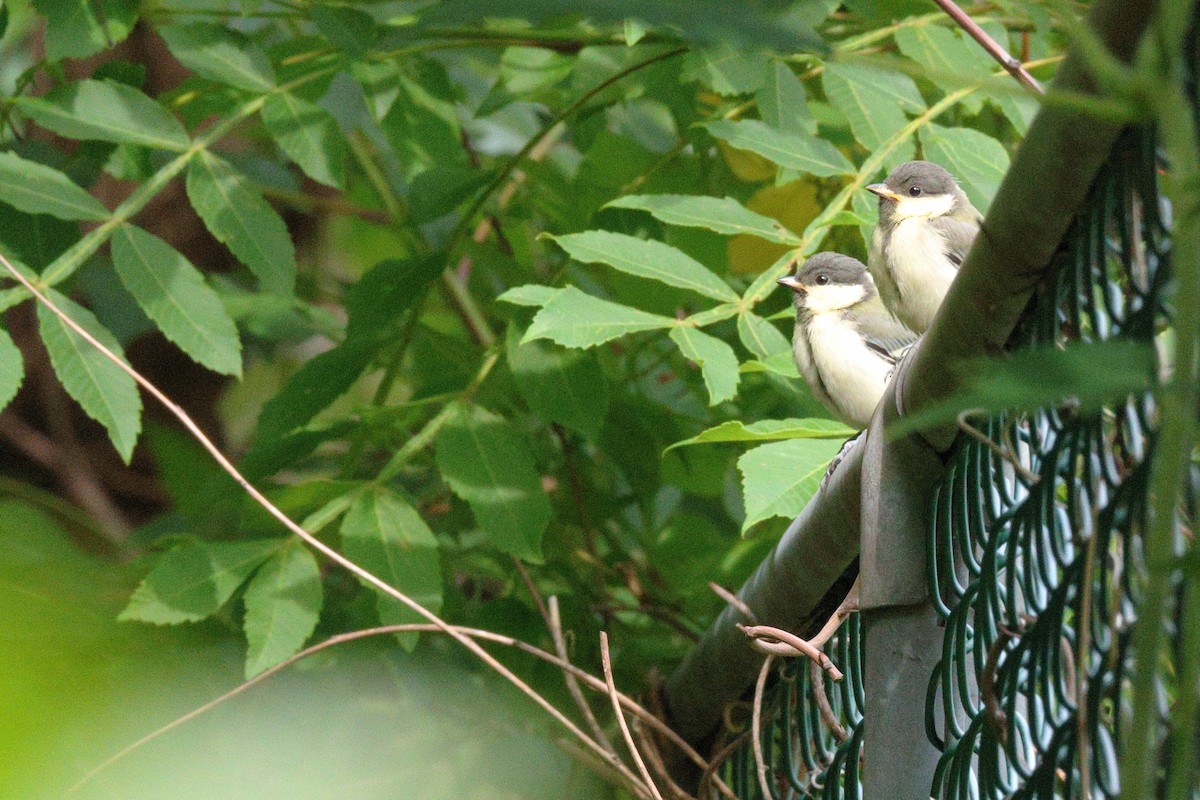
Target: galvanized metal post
pixel 903 640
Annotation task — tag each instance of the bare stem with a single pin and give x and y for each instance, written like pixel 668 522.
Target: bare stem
pixel 616 704
pixel 554 622
pixel 591 681
pixel 735 601
pixel 760 763
pixel 994 49
pixel 778 642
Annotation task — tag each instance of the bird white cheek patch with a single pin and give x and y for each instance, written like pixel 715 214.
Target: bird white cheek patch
pixel 833 297
pixel 934 206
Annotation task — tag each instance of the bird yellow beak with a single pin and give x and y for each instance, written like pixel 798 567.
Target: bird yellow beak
pixel 883 191
pixel 791 283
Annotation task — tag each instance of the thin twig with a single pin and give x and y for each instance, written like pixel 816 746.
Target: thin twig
pixel 735 601
pixel 847 607
pixel 817 684
pixel 987 685
pixel 710 772
pixel 649 747
pixel 307 537
pixel 554 622
pixel 993 48
pixel 1003 453
pixel 778 642
pixel 592 682
pixel 533 592
pixel 606 661
pixel 760 763
pixel 1085 646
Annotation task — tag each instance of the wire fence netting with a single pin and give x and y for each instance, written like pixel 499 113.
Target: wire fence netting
pixel 1034 556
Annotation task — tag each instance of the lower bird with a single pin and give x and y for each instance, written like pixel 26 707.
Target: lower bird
pixel 845 343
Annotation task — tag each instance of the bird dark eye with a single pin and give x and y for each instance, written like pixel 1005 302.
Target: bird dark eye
pixel 822 280
pixel 914 191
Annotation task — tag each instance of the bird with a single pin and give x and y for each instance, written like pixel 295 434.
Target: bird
pixel 845 343
pixel 926 226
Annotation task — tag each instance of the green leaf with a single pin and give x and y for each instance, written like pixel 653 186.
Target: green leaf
pixel 348 29
pixel 238 217
pixel 645 259
pixel 782 102
pixel 1083 375
pixel 761 337
pixel 729 70
pixel 384 534
pixel 531 294
pixel 720 214
pixel 796 151
pixel 35 239
pixel 875 102
pixel 375 304
pixel 321 380
pixel 1019 106
pixel 778 479
pixel 101 388
pixel 524 70
pixel 780 363
pixel 74 29
pixel 978 161
pixel 564 386
pixel 437 191
pixel 220 54
pixel 309 135
pixel 716 360
pixel 173 293
pixel 574 319
pixel 704 21
pixel 769 430
pixel 38 189
pixel 487 463
pixel 192 580
pixel 844 217
pixel 108 112
pixel 949 59
pixel 12 369
pixel 283 603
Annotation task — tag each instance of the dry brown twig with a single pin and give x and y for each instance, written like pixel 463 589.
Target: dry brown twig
pixel 560 646
pixel 735 601
pixel 307 537
pixel 710 772
pixel 606 661
pixel 592 682
pixel 817 684
pixel 778 642
pixel 553 622
pixel 760 763
pixel 1002 452
pixel 993 48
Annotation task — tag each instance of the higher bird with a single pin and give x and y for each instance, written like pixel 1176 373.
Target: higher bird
pixel 926 226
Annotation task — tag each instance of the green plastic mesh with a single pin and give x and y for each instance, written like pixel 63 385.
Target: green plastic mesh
pixel 1034 556
pixel 1035 539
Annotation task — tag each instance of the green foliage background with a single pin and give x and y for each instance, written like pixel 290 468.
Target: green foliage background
pixel 490 281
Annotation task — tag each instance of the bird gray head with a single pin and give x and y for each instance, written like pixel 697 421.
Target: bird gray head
pixel 919 188
pixel 826 281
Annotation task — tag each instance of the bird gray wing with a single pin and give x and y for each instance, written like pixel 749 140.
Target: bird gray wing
pixel 882 330
pixel 958 236
pixel 882 351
